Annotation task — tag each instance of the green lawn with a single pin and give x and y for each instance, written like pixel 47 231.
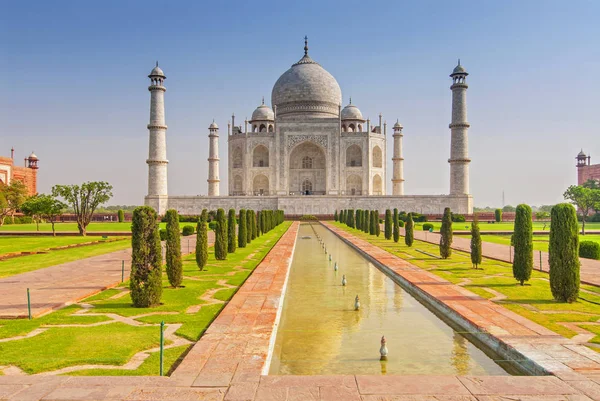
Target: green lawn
pixel 540 242
pixel 23 264
pixel 504 226
pixel 92 227
pixel 115 343
pixel 533 300
pixel 20 243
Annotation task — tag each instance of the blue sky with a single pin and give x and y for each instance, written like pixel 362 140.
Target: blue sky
pixel 75 88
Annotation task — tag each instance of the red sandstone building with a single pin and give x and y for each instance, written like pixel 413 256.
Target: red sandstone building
pixel 27 174
pixel 586 170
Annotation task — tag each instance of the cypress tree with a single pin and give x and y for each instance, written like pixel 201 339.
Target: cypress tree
pixel 476 252
pixel 121 215
pixel 335 215
pixel 523 242
pixel 249 226
pixel 351 218
pixel 259 223
pixel 145 283
pixel 564 253
pixel 202 240
pixel 409 235
pixel 242 235
pixel 498 215
pixel 342 220
pixel 221 236
pixel 173 251
pixel 372 228
pixel 253 219
pixel 388 224
pixel 366 221
pixel 358 219
pixel 377 226
pixel 231 239
pixel 446 234
pixel 396 226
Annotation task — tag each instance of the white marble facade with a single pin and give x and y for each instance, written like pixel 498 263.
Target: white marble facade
pixel 308 155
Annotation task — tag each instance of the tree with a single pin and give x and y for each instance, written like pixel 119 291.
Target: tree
pixel 446 234
pixel 202 240
pixel 121 215
pixel 358 219
pixel 377 224
pixel 585 199
pixel 498 215
pixel 253 220
pixel 388 224
pixel 508 208
pixel 351 218
pixel 259 225
pixel 335 215
pixel 249 226
pixel 84 199
pixel 523 243
pixel 242 235
pixel 11 198
pixel 221 236
pixel 409 235
pixel 372 223
pixel 564 253
pixel 476 252
pixel 231 237
pixel 145 283
pixel 173 251
pixel 366 221
pixel 542 215
pixel 43 207
pixel 396 230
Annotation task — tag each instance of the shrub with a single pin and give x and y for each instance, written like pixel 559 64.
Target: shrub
pixel 259 223
pixel 400 223
pixel 387 226
pixel 202 240
pixel 187 230
pixel 253 226
pixel 476 252
pixel 308 217
pixel 242 235
pixel 372 222
pixel 564 253
pixel 231 239
pixel 366 221
pixel 589 250
pixel 378 221
pixel 409 235
pixel 163 234
pixel 396 228
pixel 419 218
pixel 458 218
pixel 173 249
pixel 121 215
pixel 249 226
pixel 335 215
pixel 523 242
pixel 498 215
pixel 145 283
pixel 221 236
pixel 446 234
pixel 213 225
pixel 427 227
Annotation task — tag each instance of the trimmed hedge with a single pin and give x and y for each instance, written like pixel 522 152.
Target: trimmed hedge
pixel 427 226
pixel 564 253
pixel 589 250
pixel 498 215
pixel 121 215
pixel 163 234
pixel 523 243
pixel 187 230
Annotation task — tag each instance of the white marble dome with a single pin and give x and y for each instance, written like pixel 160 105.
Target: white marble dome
pixel 307 88
pixel 351 112
pixel 157 72
pixel 263 113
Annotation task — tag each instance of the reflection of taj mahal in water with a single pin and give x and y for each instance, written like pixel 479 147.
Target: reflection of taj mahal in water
pixel 307 154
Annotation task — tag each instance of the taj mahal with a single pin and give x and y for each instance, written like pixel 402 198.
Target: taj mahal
pixel 307 154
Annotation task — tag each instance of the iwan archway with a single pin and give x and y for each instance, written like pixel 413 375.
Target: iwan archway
pixel 307 170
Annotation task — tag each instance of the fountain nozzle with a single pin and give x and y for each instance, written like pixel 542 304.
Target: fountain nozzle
pixel 383 350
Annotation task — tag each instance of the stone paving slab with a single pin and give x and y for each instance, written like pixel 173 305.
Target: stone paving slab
pixel 589 273
pixel 54 287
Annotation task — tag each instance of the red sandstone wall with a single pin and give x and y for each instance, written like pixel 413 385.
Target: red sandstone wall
pixel 26 175
pixel 588 173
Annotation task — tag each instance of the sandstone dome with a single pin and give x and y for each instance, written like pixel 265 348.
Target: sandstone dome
pixel 307 88
pixel 263 113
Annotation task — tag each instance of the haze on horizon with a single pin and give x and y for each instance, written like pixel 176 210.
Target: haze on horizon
pixel 74 78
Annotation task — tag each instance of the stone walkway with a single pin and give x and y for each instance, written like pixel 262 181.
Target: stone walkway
pixel 590 269
pixel 56 286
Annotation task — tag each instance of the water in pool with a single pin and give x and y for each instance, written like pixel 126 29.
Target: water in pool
pixel 321 333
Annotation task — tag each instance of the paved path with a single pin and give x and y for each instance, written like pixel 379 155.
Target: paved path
pixel 56 286
pixel 590 269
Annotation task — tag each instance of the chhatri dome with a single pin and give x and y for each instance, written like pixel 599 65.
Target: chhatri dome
pixel 263 113
pixel 307 88
pixel 351 112
pixel 157 72
pixel 459 69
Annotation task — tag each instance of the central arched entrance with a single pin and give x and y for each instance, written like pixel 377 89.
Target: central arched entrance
pixel 307 170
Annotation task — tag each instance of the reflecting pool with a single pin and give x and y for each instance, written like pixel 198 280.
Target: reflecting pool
pixel 321 333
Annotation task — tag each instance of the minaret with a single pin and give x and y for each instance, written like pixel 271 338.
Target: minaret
pixel 157 157
pixel 398 160
pixel 213 160
pixel 459 143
